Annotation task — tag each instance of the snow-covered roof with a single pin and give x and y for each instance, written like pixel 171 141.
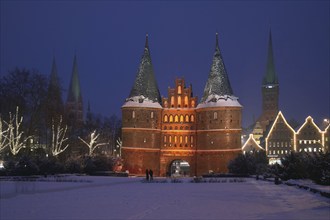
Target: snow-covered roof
pixel 220 101
pixel 141 101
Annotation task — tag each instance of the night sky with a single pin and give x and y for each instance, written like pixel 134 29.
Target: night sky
pixel 108 38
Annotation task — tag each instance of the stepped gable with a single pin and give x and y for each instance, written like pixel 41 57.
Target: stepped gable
pixel 145 92
pixel 218 91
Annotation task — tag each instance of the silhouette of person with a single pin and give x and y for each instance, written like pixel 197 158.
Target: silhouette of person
pixel 147 175
pixel 151 174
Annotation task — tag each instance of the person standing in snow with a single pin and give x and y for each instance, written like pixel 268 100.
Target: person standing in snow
pixel 151 174
pixel 147 175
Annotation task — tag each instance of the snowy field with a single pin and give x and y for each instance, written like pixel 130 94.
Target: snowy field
pixel 88 197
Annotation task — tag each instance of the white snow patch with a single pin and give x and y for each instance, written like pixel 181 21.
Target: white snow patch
pixel 141 101
pixel 129 198
pixel 220 101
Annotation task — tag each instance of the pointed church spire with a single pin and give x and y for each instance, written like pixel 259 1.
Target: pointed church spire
pixel 53 74
pixel 74 93
pixel 270 76
pixel 145 86
pixel 54 103
pixel 218 81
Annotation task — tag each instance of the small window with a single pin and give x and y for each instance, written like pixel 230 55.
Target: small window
pixel 175 139
pixel 181 118
pixel 171 118
pixel 192 118
pixel 133 114
pixel 176 118
pixel 152 115
pixel 170 139
pixel 187 118
pixel 191 139
pixel 179 101
pixel 172 101
pixel 179 90
pixel 186 101
pixel 181 139
pixel 186 139
pixel 215 115
pixel 165 139
pixel 165 118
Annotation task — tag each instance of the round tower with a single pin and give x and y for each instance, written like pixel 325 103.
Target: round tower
pixel 218 121
pixel 141 121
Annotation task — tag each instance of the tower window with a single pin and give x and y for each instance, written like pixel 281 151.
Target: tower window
pixel 192 118
pixel 186 101
pixel 179 90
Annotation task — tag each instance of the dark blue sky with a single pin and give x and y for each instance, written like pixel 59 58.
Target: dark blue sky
pixel 109 36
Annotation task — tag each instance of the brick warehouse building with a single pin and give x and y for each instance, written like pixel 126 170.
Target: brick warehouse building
pixel 177 135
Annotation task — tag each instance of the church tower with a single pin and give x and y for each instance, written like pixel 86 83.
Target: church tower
pixel 74 103
pixel 141 120
pixel 270 90
pixel 54 104
pixel 218 120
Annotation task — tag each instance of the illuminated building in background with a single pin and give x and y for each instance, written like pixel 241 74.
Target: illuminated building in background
pixel 177 135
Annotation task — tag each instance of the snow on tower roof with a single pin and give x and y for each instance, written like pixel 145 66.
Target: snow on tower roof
pixel 145 89
pixel 218 91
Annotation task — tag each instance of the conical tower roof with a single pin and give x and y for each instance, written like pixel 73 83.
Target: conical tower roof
pixel 218 85
pixel 74 93
pixel 270 76
pixel 145 88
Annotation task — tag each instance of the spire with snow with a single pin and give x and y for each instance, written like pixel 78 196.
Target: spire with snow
pixel 270 77
pixel 145 88
pixel 218 89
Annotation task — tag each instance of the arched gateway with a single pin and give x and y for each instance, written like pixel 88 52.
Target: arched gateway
pixel 179 168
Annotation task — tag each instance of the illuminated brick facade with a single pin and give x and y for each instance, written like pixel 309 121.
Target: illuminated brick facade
pixel 157 133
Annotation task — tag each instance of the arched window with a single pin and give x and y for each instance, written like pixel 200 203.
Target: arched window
pixel 187 118
pixel 179 101
pixel 215 115
pixel 192 103
pixel 186 139
pixel 165 139
pixel 165 104
pixel 165 118
pixel 172 101
pixel 181 118
pixel 181 139
pixel 176 118
pixel 152 115
pixel 191 139
pixel 170 139
pixel 192 118
pixel 179 90
pixel 175 139
pixel 186 101
pixel 171 118
pixel 133 114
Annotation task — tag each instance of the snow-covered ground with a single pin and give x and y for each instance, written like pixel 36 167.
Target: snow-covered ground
pixel 88 197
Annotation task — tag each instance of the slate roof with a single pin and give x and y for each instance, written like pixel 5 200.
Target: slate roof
pixel 218 82
pixel 145 85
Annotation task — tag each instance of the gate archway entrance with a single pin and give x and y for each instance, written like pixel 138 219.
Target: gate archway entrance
pixel 179 168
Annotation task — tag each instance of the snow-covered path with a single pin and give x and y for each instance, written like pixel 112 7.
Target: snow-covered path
pixel 129 198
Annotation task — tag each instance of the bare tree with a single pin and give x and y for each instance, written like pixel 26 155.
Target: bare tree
pixel 92 145
pixel 3 136
pixel 58 138
pixel 15 138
